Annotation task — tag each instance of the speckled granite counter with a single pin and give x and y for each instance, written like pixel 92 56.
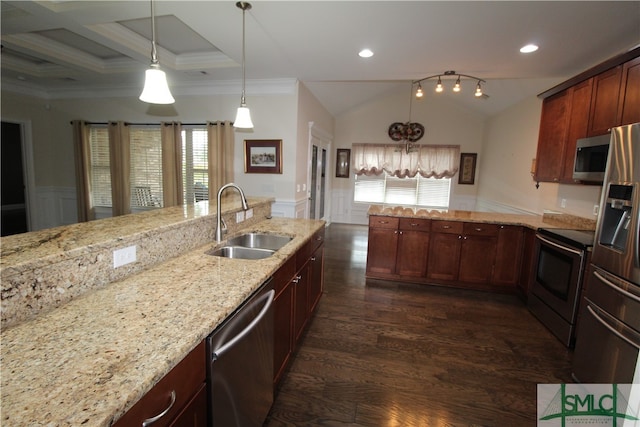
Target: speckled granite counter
pixel 88 361
pixel 549 220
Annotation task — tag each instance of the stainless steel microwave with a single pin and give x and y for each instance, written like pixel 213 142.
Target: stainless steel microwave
pixel 591 158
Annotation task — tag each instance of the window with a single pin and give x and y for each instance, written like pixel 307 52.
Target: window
pixel 418 191
pixel 195 164
pixel 146 166
pixel 100 172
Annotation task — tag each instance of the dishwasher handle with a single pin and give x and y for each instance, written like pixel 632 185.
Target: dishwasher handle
pixel 226 346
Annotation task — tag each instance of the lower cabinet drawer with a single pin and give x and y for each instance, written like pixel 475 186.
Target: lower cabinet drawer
pixel 383 222
pixel 453 227
pixel 480 229
pixel 415 224
pixel 172 394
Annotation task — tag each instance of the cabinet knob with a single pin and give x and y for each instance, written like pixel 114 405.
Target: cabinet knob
pixel 459 237
pixel 401 232
pixel 395 232
pixel 313 258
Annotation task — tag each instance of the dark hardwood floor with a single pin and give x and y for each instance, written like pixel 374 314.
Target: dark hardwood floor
pixel 381 353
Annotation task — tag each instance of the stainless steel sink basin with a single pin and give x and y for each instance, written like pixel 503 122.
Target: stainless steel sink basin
pixel 260 240
pixel 240 252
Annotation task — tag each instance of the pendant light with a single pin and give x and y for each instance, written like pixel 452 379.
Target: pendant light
pixel 243 116
pixel 456 87
pixel 156 90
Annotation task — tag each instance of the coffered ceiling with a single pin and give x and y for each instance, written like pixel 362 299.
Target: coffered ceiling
pixel 101 48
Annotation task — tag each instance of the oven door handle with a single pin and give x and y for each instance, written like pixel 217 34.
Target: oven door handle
pixel 610 328
pixel 615 287
pixel 561 247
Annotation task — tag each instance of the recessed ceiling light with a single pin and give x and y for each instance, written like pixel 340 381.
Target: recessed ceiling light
pixel 529 48
pixel 365 53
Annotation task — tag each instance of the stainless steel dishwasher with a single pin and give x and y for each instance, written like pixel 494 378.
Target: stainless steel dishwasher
pixel 240 365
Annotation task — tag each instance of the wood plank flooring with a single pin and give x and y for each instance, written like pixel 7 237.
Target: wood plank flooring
pixel 381 353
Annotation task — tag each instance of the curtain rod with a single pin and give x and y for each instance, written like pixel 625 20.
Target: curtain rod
pixel 150 124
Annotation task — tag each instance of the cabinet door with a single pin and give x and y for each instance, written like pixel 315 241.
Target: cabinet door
pixel 283 330
pixel 476 259
pixel 506 270
pixel 316 279
pixel 578 125
pixel 444 256
pixel 301 302
pixel 381 251
pixel 604 101
pixel 552 137
pixel 413 247
pixel 629 106
pixel 195 413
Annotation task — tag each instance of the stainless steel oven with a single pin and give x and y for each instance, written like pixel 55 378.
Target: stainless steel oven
pixel 561 257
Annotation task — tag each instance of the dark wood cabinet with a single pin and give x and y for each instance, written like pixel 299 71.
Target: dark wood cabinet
pixel 299 284
pixel 477 253
pixel 509 255
pixel 382 247
pixel 444 250
pixel 528 262
pixel 604 101
pixel 587 105
pixel 452 253
pixel 629 105
pixel 552 137
pixel 577 127
pixel 184 385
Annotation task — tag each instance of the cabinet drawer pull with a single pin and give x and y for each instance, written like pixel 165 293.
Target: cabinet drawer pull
pixel 319 238
pixel 446 227
pixel 152 420
pixel 413 224
pixel 383 222
pixel 478 229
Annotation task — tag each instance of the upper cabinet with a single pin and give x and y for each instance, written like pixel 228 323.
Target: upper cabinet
pixel 588 105
pixel 629 106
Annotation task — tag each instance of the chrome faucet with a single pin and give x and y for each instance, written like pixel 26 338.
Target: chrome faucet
pixel 221 227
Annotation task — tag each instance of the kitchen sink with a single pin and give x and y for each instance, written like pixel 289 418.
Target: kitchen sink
pixel 240 252
pixel 260 241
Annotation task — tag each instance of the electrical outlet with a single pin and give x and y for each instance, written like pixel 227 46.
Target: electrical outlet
pixel 596 209
pixel 249 213
pixel 124 256
pixel 304 187
pixel 239 217
pixel 297 188
pixel 563 203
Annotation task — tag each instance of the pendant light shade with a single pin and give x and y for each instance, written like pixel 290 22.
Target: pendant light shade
pixel 243 116
pixel 156 90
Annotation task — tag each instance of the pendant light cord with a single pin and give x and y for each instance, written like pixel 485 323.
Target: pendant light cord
pixel 154 52
pixel 242 100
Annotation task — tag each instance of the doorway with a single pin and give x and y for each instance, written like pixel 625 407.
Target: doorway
pixel 13 195
pixel 320 143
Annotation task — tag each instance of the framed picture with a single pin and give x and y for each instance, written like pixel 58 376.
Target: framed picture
pixel 343 158
pixel 263 156
pixel 467 173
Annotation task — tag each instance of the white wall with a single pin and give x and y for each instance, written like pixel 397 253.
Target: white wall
pixel 445 123
pixel 510 143
pixel 274 113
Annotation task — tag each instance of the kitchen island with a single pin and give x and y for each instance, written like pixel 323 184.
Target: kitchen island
pixel 465 249
pixel 88 360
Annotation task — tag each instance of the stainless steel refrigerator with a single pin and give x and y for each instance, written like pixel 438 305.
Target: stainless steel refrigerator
pixel 608 335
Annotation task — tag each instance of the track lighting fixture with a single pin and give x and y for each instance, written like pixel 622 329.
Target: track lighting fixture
pixel 457 87
pixel 243 116
pixel 156 90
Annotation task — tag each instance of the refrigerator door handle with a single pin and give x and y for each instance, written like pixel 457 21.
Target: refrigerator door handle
pixel 611 329
pixel 616 287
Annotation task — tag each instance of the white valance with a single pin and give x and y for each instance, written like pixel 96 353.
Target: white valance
pixel 430 161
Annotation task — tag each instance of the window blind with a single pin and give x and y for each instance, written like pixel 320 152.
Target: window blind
pixel 418 191
pixel 146 167
pixel 195 165
pixel 100 172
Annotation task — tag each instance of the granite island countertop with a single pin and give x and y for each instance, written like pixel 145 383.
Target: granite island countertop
pixel 88 361
pixel 548 219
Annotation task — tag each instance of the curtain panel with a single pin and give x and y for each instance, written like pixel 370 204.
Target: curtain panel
pixel 171 134
pixel 82 158
pixel 430 161
pixel 220 155
pixel 120 165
